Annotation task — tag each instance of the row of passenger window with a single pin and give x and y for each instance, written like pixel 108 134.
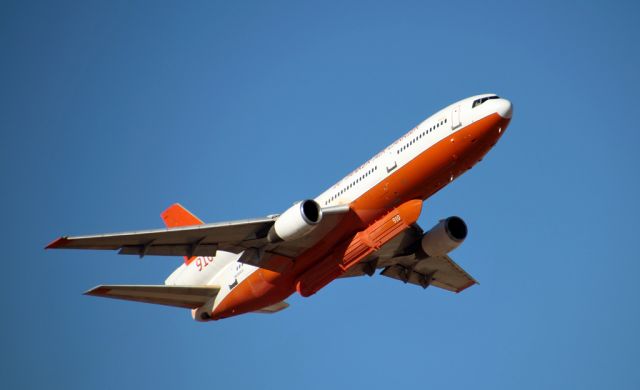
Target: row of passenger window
pixel 353 183
pixel 417 137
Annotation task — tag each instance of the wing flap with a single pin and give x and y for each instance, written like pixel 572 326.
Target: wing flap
pixel 438 271
pixel 170 250
pixel 190 297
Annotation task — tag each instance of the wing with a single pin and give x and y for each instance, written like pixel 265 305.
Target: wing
pixel 198 240
pixel 190 297
pixel 402 259
pixel 433 271
pixel 202 240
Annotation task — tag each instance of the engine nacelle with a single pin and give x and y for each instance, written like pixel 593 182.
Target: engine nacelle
pixel 446 236
pixel 298 221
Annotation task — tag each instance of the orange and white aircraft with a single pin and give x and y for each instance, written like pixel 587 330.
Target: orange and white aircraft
pixel 364 222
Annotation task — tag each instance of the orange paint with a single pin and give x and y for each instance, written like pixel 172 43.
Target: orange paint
pixel 260 289
pixel 177 216
pixel 57 243
pixel 360 246
pixel 420 178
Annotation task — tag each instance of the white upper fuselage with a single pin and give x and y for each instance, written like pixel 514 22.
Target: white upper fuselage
pixel 419 139
pixel 225 270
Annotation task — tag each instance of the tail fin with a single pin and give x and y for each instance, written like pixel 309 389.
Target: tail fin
pixel 176 216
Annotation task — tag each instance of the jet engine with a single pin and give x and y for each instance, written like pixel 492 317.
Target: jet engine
pixel 446 236
pixel 298 221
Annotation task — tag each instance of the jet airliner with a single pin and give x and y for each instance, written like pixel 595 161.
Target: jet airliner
pixel 365 222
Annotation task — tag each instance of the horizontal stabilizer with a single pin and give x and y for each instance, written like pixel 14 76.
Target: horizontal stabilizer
pixel 190 297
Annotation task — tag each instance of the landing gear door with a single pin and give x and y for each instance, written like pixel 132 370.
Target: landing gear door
pixel 455 118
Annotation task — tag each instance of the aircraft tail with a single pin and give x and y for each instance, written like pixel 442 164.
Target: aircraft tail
pixel 176 216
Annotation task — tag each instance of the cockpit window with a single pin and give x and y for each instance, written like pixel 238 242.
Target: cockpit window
pixel 478 102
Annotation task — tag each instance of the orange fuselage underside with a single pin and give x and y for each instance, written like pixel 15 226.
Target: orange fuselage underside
pixel 420 178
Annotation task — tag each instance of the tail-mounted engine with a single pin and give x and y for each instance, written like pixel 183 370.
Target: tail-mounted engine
pixel 446 236
pixel 298 221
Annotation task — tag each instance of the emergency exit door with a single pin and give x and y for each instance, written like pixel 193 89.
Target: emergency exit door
pixel 455 118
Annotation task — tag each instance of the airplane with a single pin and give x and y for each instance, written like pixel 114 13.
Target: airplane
pixel 366 221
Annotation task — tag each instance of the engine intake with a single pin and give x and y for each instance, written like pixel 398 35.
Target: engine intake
pixel 298 221
pixel 446 236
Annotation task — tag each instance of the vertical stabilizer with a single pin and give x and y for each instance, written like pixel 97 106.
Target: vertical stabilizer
pixel 177 216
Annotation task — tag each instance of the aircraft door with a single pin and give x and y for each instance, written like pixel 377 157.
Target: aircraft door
pixel 391 163
pixel 455 118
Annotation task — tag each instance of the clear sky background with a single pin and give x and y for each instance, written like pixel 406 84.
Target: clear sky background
pixel 112 110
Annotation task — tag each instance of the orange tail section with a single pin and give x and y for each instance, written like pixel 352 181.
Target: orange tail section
pixel 176 216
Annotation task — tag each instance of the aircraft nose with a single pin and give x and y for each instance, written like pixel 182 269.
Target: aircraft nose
pixel 504 108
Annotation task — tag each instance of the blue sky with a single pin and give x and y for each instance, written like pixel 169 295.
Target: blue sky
pixel 111 111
